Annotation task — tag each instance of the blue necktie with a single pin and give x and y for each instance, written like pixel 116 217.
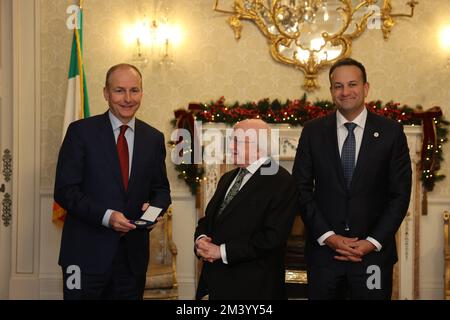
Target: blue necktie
pixel 348 153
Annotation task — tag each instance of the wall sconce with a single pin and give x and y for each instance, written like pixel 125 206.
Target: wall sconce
pixel 154 39
pixel 445 41
pixel 312 34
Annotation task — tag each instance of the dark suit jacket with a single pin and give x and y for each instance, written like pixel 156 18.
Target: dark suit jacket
pixel 254 227
pixel 88 182
pixel 377 200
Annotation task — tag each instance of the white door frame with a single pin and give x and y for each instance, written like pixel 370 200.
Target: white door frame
pixel 24 282
pixel 6 133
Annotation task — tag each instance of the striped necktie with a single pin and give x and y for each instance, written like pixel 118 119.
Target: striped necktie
pixel 234 189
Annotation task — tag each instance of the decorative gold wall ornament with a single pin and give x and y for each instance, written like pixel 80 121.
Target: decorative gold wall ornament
pixel 7 165
pixel 312 34
pixel 6 210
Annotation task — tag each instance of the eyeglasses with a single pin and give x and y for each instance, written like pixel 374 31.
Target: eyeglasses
pixel 236 141
pixel 243 141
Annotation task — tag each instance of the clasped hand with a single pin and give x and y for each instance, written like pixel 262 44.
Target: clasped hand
pixel 349 249
pixel 207 250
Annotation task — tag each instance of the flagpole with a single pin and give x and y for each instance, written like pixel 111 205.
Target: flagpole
pixel 80 63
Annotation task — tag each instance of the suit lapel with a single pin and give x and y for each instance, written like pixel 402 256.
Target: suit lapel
pixel 219 196
pixel 109 145
pixel 138 151
pixel 333 148
pixel 364 153
pixel 251 184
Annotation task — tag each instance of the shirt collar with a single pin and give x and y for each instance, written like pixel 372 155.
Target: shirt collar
pixel 255 165
pixel 116 123
pixel 360 120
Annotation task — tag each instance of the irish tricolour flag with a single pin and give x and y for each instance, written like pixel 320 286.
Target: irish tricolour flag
pixel 77 105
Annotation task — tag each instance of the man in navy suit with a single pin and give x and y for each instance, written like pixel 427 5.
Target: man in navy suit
pixel 353 172
pixel 110 168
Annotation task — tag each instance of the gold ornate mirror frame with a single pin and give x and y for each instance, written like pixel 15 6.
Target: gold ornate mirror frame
pixel 312 34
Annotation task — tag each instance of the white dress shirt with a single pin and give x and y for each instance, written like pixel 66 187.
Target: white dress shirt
pixel 342 134
pixel 251 170
pixel 129 136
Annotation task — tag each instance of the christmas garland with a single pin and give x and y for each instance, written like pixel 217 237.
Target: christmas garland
pixel 297 112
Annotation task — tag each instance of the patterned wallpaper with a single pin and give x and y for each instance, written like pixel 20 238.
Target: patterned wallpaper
pixel 409 68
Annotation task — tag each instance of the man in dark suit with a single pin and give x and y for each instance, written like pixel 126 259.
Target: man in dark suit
pixel 110 168
pixel 242 238
pixel 353 173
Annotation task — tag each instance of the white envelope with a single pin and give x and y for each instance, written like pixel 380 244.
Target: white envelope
pixel 151 214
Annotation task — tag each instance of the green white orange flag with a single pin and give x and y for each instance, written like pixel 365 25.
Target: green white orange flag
pixel 77 104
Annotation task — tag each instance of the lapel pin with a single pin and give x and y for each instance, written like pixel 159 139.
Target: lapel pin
pixel 376 134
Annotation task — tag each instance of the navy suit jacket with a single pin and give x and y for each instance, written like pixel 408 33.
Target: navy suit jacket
pixel 378 197
pixel 88 182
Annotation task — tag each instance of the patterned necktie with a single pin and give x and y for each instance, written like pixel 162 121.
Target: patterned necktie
pixel 234 190
pixel 348 153
pixel 122 150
